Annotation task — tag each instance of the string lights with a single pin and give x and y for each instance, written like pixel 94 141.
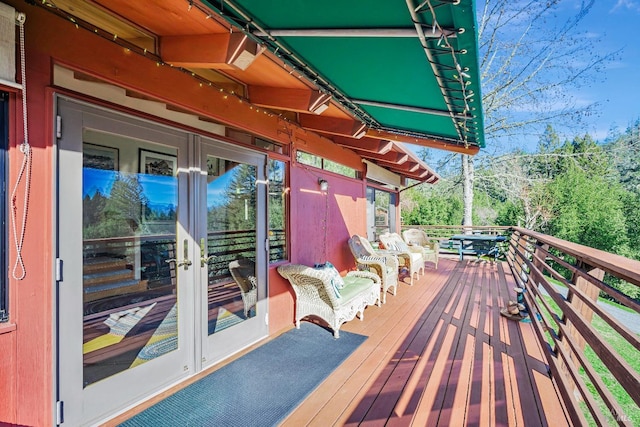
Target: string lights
pixel 129 47
pixel 299 69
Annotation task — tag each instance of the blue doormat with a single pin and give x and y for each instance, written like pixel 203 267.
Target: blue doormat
pixel 259 389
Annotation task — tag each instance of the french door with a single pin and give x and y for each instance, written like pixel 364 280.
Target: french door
pixel 232 241
pixel 151 223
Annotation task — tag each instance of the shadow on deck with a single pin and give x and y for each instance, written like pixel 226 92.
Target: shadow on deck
pixel 439 353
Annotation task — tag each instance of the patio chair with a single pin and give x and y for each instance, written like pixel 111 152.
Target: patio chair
pixel 411 256
pixel 430 248
pixel 319 293
pixel 243 271
pixel 384 265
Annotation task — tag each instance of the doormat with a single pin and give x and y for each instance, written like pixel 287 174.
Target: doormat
pixel 260 388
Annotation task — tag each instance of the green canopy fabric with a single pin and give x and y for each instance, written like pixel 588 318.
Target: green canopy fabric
pixel 370 56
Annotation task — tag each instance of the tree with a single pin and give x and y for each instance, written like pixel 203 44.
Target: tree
pixel 529 64
pixel 588 210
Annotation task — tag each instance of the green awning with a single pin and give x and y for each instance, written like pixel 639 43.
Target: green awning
pixel 371 57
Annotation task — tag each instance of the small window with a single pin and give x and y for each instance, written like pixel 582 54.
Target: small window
pixel 328 165
pixel 4 143
pixel 309 159
pixel 277 211
pixel 339 169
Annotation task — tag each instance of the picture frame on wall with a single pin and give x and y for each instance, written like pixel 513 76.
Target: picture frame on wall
pixel 100 157
pixel 160 164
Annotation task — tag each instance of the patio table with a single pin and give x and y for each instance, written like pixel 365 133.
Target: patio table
pixel 478 244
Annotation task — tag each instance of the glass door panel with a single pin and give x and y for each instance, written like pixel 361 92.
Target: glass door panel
pixel 125 310
pixel 233 246
pixel 129 241
pixel 231 243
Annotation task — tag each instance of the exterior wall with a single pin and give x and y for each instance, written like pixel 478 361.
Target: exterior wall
pixel 323 222
pixel 28 356
pixel 31 299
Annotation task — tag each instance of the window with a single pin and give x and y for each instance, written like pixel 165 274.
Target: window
pixel 381 212
pixel 277 211
pixel 4 136
pixel 328 165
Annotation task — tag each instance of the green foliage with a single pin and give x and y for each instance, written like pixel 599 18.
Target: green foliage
pixel 432 209
pixel 575 189
pixel 588 210
pixel 119 214
pixel 237 209
pixel 509 213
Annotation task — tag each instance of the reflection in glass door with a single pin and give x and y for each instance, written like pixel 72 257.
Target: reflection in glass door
pixel 125 312
pixel 231 243
pixel 129 255
pixel 234 249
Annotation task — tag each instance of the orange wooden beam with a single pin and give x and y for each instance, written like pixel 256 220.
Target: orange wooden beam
pixel 424 142
pixel 331 125
pixel 220 51
pixel 94 56
pixel 406 167
pixel 365 144
pixel 301 100
pixel 392 156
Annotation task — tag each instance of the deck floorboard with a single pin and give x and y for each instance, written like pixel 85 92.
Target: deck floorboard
pixel 439 353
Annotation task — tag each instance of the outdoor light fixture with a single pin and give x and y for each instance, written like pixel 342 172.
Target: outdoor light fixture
pixel 324 185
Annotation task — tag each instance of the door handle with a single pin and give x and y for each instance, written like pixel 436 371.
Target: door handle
pixel 204 259
pixel 186 262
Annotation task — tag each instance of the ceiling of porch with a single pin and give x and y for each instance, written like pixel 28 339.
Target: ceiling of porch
pixel 370 76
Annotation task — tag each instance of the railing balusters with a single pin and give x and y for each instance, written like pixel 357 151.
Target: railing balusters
pixel 573 330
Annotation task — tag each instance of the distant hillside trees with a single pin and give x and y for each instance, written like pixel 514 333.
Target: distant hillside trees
pixel 575 189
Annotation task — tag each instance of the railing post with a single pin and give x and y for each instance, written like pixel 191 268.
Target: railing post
pixel 592 292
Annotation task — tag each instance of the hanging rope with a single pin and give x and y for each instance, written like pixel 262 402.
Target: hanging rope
pixel 19 270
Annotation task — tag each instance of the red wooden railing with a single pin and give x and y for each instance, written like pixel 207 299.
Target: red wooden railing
pixel 565 327
pixel 562 282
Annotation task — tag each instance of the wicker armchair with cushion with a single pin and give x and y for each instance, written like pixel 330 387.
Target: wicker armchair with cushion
pixel 411 256
pixel 384 265
pixel 243 272
pixel 323 293
pixel 430 248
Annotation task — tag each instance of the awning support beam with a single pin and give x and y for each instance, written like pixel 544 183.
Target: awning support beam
pixel 429 32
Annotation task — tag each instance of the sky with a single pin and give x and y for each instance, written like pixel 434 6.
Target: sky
pixel 611 26
pixel 617 23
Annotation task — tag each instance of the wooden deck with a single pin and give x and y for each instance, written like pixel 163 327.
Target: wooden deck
pixel 439 353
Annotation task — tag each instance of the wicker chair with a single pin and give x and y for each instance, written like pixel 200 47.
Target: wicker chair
pixel 315 294
pixel 384 265
pixel 243 272
pixel 430 248
pixel 411 256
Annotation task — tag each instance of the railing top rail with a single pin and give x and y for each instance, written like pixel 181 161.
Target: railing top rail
pixel 617 265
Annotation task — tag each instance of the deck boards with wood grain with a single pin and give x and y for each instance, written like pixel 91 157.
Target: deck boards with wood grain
pixel 439 353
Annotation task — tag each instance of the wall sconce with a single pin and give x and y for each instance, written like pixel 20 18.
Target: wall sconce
pixel 324 185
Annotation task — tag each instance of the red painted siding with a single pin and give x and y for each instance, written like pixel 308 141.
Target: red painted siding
pixel 26 368
pixel 323 222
